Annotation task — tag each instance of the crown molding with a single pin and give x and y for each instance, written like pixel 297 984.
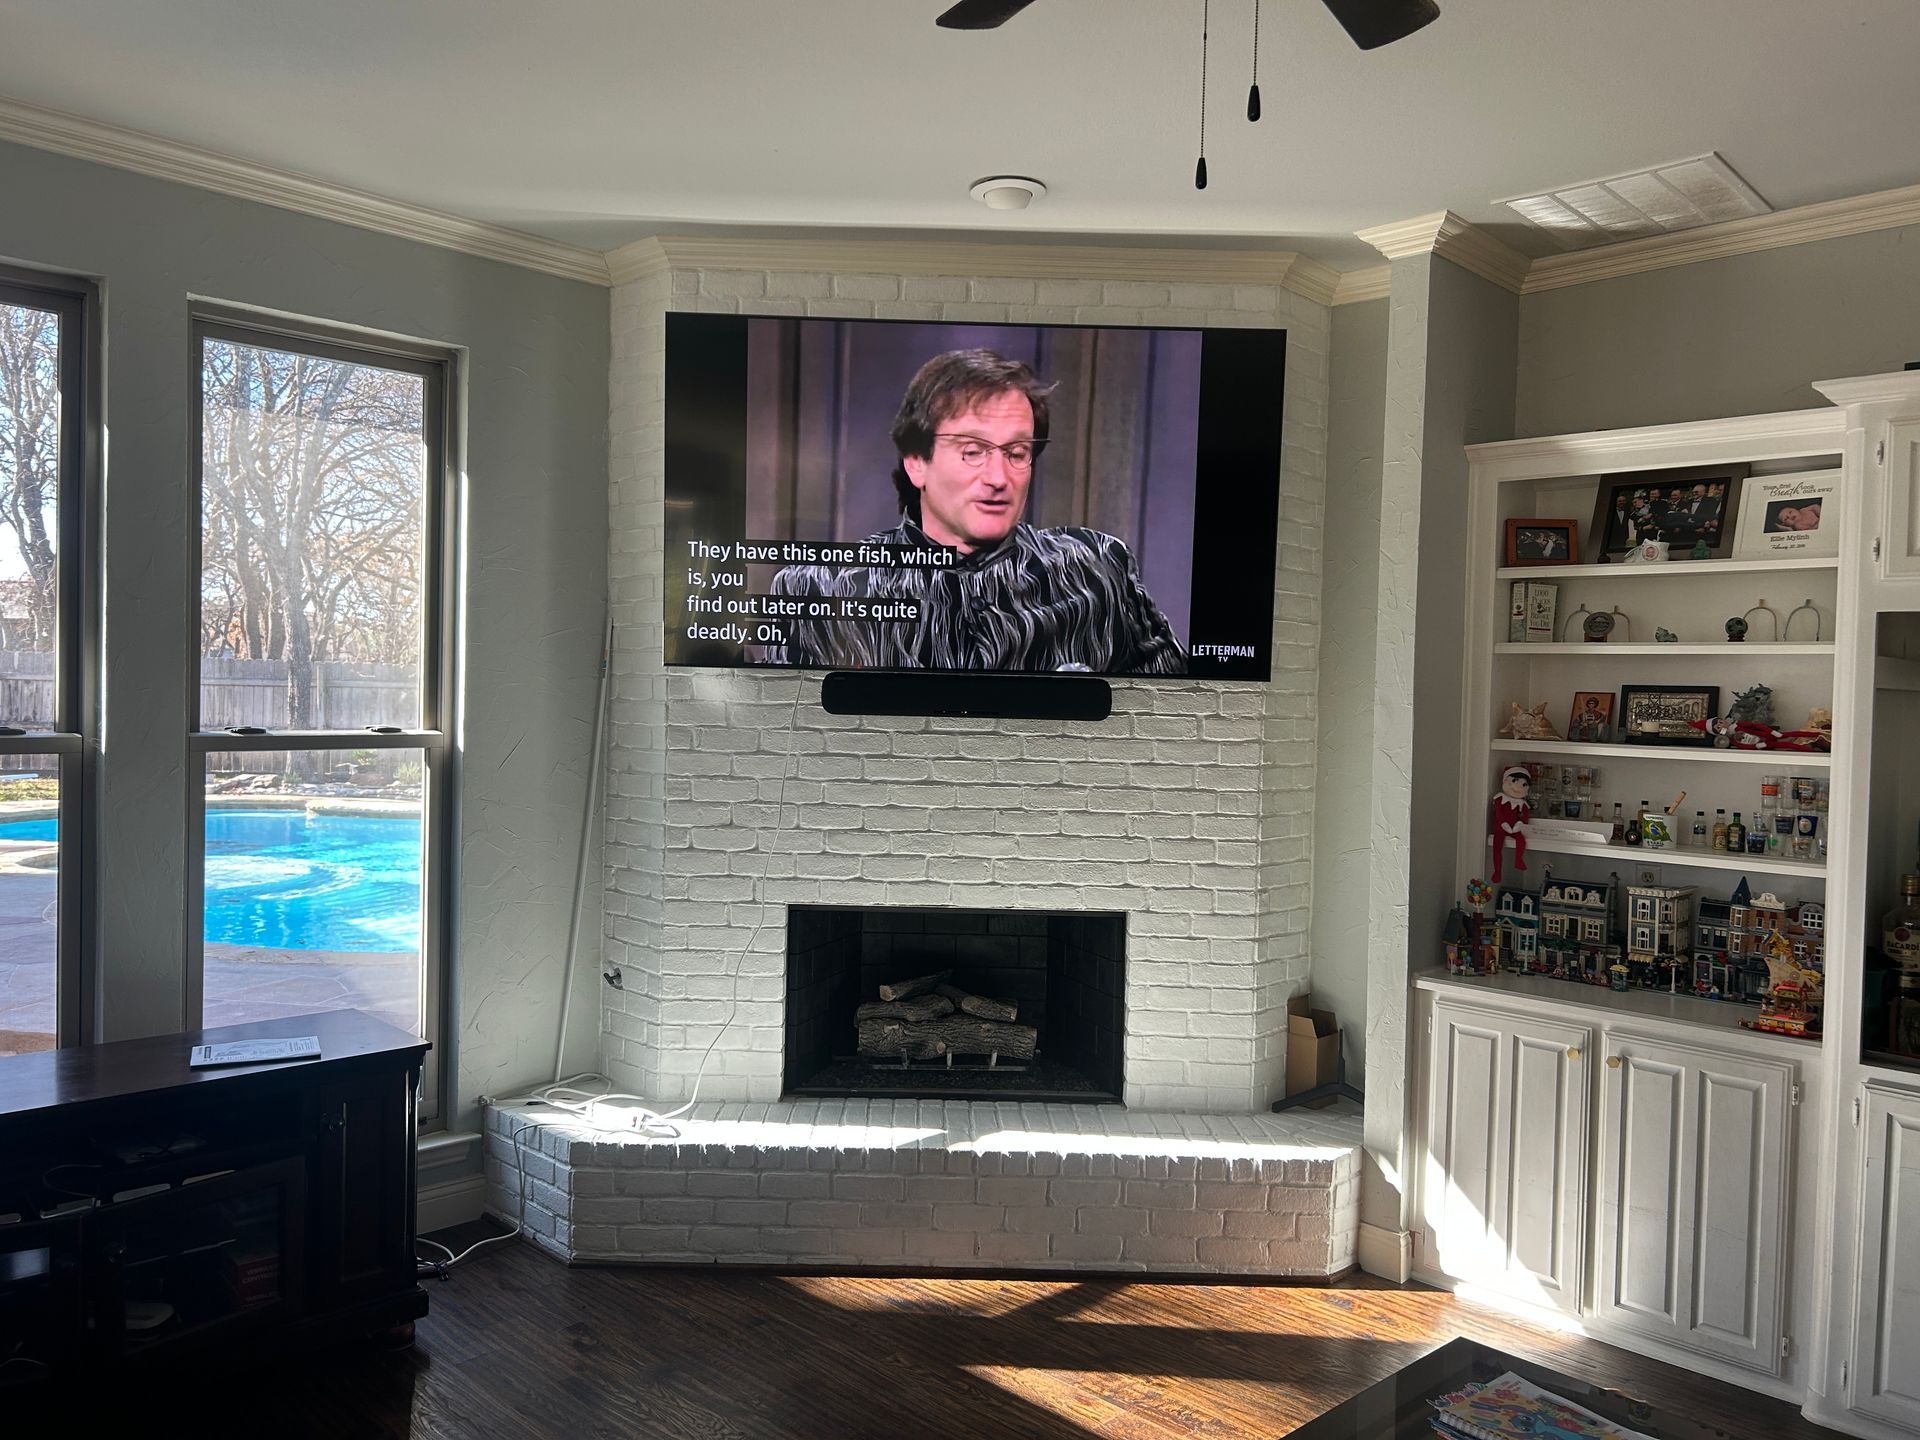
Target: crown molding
pixel 1445 234
pixel 1358 285
pixel 1901 387
pixel 168 160
pixel 1803 225
pixel 1305 277
pixel 1782 434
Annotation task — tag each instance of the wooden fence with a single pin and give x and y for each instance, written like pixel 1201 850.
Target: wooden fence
pixel 346 696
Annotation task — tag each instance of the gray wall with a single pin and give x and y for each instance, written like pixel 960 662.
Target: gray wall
pixel 1349 626
pixel 535 350
pixel 1737 336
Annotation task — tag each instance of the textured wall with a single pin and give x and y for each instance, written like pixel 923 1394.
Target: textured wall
pixel 1350 581
pixel 535 353
pixel 1728 337
pixel 732 794
pixel 1450 382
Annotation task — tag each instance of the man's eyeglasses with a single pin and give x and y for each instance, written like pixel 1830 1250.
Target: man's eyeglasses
pixel 973 451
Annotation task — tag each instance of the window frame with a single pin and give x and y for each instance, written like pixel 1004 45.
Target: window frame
pixel 441 625
pixel 74 739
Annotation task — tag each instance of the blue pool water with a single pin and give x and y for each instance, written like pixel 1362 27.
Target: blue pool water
pixel 294 881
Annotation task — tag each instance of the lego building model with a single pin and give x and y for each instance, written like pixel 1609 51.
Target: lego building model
pixel 1516 918
pixel 1578 939
pixel 1659 933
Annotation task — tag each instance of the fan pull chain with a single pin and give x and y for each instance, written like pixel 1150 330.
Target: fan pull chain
pixel 1200 167
pixel 1253 90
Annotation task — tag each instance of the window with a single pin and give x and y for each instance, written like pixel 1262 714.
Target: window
pixel 47 424
pixel 322 655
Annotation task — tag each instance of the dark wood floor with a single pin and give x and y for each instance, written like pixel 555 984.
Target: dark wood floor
pixel 518 1345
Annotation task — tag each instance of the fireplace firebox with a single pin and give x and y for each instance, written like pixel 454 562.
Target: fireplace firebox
pixel 1064 974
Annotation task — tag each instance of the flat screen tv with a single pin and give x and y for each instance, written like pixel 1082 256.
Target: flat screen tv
pixel 909 495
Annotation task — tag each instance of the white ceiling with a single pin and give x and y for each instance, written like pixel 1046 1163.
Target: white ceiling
pixel 601 121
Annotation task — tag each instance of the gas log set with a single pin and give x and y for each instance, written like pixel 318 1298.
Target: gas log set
pixel 927 1019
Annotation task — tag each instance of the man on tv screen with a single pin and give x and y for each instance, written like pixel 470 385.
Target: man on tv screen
pixel 1002 594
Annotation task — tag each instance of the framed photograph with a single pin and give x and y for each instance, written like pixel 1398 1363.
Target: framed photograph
pixel 1592 719
pixel 1664 714
pixel 1543 542
pixel 1790 515
pixel 1687 506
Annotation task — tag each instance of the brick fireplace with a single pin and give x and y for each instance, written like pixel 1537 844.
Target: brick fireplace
pixel 737 809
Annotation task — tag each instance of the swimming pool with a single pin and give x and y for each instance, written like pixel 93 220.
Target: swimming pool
pixel 290 880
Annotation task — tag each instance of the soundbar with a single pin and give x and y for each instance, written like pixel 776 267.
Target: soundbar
pixel 1003 697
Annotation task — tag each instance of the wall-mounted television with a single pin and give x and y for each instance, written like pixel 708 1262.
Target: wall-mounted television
pixel 961 497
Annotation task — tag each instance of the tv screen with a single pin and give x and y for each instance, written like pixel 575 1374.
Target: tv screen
pixel 908 495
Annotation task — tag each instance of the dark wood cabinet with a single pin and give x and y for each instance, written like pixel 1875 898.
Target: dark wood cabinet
pixel 148 1209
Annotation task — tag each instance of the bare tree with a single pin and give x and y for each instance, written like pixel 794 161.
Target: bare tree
pixel 30 457
pixel 313 478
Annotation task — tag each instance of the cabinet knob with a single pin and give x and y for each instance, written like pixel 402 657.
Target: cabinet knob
pixel 1573 1052
pixel 1613 1062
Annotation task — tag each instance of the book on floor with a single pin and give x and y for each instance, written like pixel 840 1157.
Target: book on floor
pixel 1509 1408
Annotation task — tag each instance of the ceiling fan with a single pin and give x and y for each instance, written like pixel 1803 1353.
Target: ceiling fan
pixel 1371 23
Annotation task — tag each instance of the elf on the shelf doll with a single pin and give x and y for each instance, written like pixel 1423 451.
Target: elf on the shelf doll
pixel 1507 818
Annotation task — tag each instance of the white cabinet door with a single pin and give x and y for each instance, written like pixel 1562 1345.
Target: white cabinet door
pixel 1900 533
pixel 1506 1151
pixel 1885 1369
pixel 1691 1197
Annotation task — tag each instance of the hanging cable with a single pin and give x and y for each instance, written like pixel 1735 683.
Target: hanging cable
pixel 1253 90
pixel 1200 167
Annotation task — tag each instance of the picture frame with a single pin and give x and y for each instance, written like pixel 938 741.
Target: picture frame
pixel 1663 714
pixel 1543 542
pixel 1774 514
pixel 1590 722
pixel 1684 506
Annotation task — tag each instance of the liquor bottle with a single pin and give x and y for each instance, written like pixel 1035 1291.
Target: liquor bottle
pixel 1736 836
pixel 1632 835
pixel 1619 836
pixel 1720 830
pixel 1900 931
pixel 1701 835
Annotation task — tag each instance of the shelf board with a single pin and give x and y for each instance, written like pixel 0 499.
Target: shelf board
pixel 1786 761
pixel 1723 648
pixel 1754 568
pixel 1698 859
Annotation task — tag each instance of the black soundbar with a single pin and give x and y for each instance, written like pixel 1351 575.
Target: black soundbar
pixel 1004 697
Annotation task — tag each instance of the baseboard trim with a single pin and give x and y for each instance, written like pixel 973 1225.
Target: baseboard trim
pixel 453 1202
pixel 1386 1253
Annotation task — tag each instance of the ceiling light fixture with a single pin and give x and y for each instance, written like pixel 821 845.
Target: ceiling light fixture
pixel 1007 192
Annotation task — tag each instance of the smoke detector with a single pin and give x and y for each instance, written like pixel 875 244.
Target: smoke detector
pixel 1007 192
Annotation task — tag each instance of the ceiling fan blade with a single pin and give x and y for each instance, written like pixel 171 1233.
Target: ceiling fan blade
pixel 1373 23
pixel 981 14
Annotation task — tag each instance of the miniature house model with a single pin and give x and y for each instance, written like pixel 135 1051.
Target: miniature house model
pixel 1659 932
pixel 1517 928
pixel 1576 927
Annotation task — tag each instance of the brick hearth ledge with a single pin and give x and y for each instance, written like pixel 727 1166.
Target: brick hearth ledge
pixel 939 1184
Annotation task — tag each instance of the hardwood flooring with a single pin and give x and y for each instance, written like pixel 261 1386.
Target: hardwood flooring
pixel 518 1345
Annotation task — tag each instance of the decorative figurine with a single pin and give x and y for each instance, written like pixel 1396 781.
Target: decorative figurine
pixel 1701 550
pixel 1665 636
pixel 1507 818
pixel 1794 998
pixel 1755 705
pixel 1736 630
pixel 1820 724
pixel 1528 724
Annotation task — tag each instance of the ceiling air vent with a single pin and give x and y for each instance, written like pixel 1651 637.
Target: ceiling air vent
pixel 1676 196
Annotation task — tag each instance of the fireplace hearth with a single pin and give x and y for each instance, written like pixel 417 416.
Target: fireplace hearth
pixel 1063 972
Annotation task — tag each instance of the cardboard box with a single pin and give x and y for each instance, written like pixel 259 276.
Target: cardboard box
pixel 1313 1047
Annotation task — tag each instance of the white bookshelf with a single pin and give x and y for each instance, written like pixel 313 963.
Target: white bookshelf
pixel 1563 477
